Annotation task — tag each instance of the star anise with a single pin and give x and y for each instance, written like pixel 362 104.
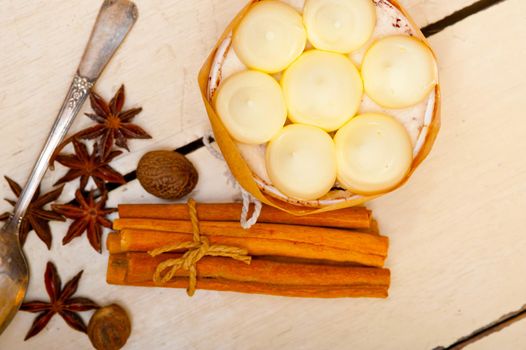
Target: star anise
pixel 89 216
pixel 113 123
pixel 61 302
pixel 36 218
pixel 84 165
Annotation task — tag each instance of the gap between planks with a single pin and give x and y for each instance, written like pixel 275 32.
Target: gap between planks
pixel 494 327
pixel 457 16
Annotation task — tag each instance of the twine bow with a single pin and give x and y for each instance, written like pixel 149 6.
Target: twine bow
pixel 196 250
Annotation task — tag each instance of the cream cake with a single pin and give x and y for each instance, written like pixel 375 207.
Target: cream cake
pixel 386 30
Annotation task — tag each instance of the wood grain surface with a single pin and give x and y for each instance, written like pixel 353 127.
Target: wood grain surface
pixel 513 337
pixel 430 11
pixel 457 228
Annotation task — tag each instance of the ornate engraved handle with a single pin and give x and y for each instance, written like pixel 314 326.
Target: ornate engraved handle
pixel 115 19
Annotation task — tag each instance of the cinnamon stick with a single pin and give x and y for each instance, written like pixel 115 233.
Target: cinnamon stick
pixel 281 290
pixel 355 217
pixel 338 238
pixel 261 276
pixel 130 240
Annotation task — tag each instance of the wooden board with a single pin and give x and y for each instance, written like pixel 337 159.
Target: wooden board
pixel 427 12
pixel 456 228
pixel 511 338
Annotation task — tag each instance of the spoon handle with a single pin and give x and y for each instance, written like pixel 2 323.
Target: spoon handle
pixel 115 19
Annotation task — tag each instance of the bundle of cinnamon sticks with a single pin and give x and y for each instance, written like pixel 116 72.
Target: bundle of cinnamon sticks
pixel 334 254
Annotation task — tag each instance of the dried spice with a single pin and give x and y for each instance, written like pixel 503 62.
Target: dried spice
pixel 36 218
pixel 113 124
pixel 109 328
pixel 88 216
pixel 84 165
pixel 167 174
pixel 113 127
pixel 61 302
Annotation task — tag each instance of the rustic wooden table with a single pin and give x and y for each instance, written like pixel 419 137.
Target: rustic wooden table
pixel 457 229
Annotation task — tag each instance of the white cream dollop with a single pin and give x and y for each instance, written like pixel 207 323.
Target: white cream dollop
pixel 251 106
pixel 399 71
pixel 301 162
pixel 322 89
pixel 339 25
pixel 270 36
pixel 373 153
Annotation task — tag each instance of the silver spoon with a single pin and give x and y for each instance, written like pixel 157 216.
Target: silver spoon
pixel 115 19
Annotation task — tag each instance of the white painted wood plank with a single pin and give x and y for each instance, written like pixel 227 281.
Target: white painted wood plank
pixel 456 228
pixel 41 46
pixel 425 12
pixel 510 338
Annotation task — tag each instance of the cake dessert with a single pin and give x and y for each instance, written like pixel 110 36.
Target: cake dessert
pixel 328 101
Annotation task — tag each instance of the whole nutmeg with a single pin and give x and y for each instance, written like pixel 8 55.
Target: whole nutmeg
pixel 109 328
pixel 167 174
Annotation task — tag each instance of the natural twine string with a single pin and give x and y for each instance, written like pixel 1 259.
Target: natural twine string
pixel 247 198
pixel 196 250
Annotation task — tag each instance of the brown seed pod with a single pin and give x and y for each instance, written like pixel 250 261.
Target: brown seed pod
pixel 167 174
pixel 109 328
